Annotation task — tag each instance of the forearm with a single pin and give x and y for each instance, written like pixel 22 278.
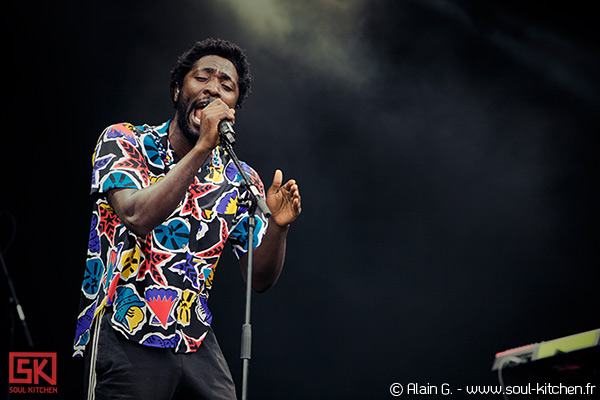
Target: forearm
pixel 268 259
pixel 143 210
pixel 284 203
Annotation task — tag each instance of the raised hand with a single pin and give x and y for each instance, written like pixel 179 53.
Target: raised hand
pixel 284 201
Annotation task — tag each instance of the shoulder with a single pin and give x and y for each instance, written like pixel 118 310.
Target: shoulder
pixel 121 131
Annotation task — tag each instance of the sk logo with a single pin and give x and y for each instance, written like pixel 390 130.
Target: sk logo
pixel 28 368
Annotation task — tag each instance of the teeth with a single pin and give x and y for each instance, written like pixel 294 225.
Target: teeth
pixel 196 115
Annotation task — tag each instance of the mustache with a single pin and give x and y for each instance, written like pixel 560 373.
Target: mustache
pixel 200 104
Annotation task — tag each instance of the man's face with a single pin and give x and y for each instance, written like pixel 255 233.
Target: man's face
pixel 211 77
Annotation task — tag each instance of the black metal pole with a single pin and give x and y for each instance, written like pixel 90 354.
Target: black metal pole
pixel 13 299
pixel 246 347
pixel 256 201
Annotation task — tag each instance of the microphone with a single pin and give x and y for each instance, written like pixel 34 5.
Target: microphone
pixel 227 135
pixel 226 131
pixel 225 126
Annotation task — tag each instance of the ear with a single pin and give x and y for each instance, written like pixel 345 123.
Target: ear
pixel 175 93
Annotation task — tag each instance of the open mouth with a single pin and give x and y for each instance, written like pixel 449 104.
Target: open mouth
pixel 203 103
pixel 198 107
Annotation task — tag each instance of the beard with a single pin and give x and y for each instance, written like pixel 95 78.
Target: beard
pixel 183 122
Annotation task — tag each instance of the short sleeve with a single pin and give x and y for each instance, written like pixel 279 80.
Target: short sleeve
pixel 118 161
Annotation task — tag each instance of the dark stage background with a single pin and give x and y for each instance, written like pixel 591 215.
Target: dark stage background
pixel 447 156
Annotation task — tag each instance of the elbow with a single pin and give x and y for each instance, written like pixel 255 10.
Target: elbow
pixel 262 287
pixel 139 231
pixel 125 205
pixel 265 273
pixel 136 225
pixel 263 282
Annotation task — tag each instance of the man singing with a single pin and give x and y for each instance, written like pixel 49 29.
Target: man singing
pixel 167 198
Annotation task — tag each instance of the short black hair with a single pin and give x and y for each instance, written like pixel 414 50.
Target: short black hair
pixel 218 47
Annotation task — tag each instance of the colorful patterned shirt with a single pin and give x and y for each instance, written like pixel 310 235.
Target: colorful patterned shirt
pixel 157 286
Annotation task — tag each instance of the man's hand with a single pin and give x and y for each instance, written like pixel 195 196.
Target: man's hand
pixel 209 118
pixel 283 201
pixel 285 205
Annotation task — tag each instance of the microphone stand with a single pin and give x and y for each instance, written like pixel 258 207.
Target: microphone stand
pixel 14 300
pixel 256 201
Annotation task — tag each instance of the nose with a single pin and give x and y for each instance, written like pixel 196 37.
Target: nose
pixel 212 88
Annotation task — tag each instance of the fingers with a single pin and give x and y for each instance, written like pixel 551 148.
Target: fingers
pixel 207 120
pixel 292 191
pixel 218 110
pixel 293 188
pixel 290 186
pixel 284 200
pixel 277 179
pixel 297 199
